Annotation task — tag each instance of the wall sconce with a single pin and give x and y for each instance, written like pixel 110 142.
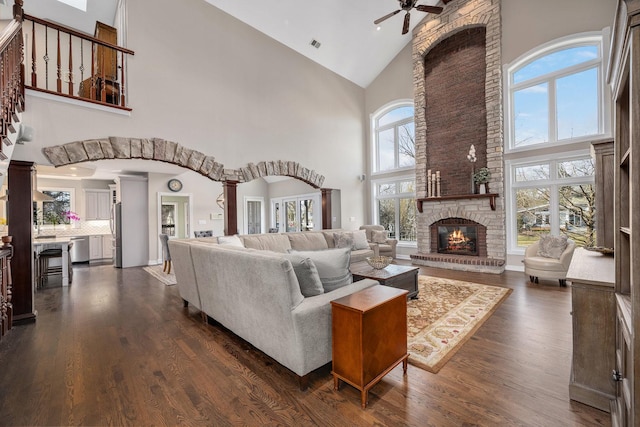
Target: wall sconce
pixel 220 200
pixel 362 177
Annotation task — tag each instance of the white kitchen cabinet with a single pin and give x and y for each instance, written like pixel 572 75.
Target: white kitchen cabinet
pixel 95 247
pixel 97 204
pixel 107 246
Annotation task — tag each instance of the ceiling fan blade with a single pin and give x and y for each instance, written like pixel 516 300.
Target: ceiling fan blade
pixel 429 9
pixel 405 26
pixel 379 20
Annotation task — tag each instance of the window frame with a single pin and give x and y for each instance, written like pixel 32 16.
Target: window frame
pixel 72 207
pixel 375 130
pixel 396 197
pixel 553 184
pixel 592 38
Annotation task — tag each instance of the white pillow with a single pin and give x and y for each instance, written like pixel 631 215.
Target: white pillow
pixel 231 241
pixel 360 239
pixel 332 265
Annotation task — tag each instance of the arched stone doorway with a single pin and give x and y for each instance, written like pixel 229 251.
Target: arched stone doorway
pixel 159 149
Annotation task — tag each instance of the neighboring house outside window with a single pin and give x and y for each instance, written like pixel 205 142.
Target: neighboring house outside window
pixel 393 166
pixel 555 106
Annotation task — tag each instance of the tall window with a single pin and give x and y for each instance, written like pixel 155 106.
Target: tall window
pixel 58 209
pixel 396 208
pixel 553 196
pixel 394 139
pixel 393 155
pixel 555 96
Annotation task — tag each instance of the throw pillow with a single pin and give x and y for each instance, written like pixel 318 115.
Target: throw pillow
pixel 343 240
pixel 379 236
pixel 552 246
pixel 360 239
pixel 332 265
pixel 307 274
pixel 231 241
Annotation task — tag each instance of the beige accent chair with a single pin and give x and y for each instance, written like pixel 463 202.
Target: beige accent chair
pixel 388 248
pixel 548 268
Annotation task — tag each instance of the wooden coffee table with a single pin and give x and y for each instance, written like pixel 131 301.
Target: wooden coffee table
pixel 397 276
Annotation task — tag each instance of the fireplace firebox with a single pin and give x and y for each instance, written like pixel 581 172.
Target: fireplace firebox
pixel 458 240
pixel 459 236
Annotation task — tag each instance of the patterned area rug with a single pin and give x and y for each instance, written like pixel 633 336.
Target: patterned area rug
pixel 445 315
pixel 156 271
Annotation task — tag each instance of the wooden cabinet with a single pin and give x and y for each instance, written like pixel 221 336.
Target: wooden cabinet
pixel 369 336
pixel 604 159
pixel 97 204
pixel 624 78
pixel 593 311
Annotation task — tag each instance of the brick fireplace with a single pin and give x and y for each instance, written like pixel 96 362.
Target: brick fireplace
pixel 458 102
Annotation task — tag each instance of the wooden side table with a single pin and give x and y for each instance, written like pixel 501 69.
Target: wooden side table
pixel 369 336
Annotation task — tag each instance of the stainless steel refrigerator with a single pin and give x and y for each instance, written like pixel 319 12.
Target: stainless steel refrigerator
pixel 116 233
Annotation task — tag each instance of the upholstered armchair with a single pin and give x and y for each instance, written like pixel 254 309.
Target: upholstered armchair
pixel 543 263
pixel 203 233
pixel 378 240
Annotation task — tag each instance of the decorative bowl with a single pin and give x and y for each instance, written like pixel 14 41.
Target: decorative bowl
pixel 379 262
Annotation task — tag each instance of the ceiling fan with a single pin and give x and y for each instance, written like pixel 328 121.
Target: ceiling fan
pixel 407 5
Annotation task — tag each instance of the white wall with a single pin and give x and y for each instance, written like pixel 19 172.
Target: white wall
pixel 211 83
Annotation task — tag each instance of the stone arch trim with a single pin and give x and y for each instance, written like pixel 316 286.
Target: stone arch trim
pixel 459 212
pixel 162 150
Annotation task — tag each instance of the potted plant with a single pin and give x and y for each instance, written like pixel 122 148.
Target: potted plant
pixel 482 178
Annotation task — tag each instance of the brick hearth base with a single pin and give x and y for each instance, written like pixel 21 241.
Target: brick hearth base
pixel 459 262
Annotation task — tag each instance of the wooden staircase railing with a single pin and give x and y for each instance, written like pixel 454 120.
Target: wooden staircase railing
pixel 11 77
pixel 69 63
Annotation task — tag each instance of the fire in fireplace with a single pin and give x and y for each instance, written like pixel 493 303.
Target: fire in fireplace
pixel 459 240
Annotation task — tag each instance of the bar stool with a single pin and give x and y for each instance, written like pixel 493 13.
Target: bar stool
pixel 44 270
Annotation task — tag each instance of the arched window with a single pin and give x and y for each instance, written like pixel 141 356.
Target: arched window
pixel 394 144
pixel 555 93
pixel 393 162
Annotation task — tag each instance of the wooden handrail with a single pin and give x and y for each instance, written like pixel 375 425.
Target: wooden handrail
pixel 9 33
pixel 77 33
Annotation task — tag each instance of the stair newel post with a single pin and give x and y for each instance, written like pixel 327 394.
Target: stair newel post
pixel 34 76
pixel 59 65
pixel 122 86
pixel 70 66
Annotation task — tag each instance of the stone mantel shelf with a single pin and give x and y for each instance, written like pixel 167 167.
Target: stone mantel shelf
pixel 490 196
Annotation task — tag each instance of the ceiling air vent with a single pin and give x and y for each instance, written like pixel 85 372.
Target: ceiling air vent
pixel 315 43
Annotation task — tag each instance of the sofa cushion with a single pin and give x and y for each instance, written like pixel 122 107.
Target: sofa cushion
pixel 360 240
pixel 267 242
pixel 231 241
pixel 307 241
pixel 307 274
pixel 379 236
pixel 332 265
pixel 343 240
pixel 360 255
pixel 552 246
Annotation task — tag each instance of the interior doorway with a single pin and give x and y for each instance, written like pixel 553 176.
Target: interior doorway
pixel 175 216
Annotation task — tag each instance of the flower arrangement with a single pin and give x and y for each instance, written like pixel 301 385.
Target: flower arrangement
pixel 71 216
pixel 482 176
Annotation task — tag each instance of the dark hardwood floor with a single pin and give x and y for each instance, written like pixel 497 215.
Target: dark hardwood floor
pixel 118 348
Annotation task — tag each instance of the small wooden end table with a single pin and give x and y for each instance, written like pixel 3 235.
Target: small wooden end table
pixel 369 337
pixel 398 276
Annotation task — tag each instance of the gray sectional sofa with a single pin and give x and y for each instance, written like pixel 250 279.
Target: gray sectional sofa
pixel 255 292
